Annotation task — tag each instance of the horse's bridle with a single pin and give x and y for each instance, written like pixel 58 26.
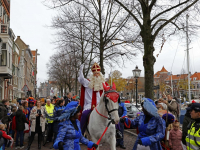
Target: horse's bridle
pixel 106 102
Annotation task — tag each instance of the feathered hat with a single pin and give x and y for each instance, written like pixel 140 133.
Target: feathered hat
pixel 72 108
pixel 170 118
pixel 150 107
pixel 96 68
pixel 31 100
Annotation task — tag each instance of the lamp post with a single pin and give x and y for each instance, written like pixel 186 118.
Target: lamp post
pixel 136 75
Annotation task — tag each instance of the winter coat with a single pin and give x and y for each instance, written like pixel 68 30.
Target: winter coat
pixel 56 113
pixel 71 137
pixel 173 108
pixel 1 139
pixel 20 120
pixel 4 135
pixel 187 122
pixel 151 133
pixel 175 139
pixel 33 118
pixel 3 114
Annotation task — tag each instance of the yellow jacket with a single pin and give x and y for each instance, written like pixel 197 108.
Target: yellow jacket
pixel 49 110
pixel 193 137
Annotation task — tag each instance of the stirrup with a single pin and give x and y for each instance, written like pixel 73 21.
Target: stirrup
pixel 118 134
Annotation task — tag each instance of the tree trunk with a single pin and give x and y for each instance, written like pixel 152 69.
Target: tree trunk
pixel 101 62
pixel 101 46
pixel 148 58
pixel 65 88
pixel 76 83
pixel 148 62
pixel 61 91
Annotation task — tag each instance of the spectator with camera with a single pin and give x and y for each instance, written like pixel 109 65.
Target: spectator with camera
pixel 37 118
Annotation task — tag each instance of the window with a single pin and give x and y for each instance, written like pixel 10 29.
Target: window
pixel 3 46
pixel 194 78
pixel 3 58
pixel 9 61
pixel 0 10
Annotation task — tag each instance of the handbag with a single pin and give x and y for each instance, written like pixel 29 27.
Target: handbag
pixel 26 127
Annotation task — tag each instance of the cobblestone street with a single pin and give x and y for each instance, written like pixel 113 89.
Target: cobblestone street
pixel 129 141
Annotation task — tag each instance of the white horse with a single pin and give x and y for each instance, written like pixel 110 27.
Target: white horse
pixel 99 117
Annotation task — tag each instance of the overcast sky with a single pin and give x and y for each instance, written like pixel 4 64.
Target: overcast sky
pixel 30 20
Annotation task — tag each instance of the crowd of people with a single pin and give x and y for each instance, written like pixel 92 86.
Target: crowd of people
pixel 156 129
pixel 158 125
pixel 30 116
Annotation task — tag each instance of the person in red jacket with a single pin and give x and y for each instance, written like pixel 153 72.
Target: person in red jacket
pixel 4 135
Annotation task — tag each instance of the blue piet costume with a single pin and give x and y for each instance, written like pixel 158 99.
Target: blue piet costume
pixel 151 132
pixel 56 113
pixel 67 132
pixel 120 126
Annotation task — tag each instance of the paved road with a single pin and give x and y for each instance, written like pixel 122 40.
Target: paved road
pixel 129 141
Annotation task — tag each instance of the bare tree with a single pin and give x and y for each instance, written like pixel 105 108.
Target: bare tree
pixel 105 22
pixel 60 69
pixel 157 19
pixel 73 38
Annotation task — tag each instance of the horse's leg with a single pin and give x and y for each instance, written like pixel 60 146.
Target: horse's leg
pixel 113 143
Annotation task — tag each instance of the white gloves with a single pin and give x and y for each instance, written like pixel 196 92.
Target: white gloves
pixel 81 70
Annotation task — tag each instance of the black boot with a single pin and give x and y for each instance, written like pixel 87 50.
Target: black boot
pixel 118 134
pixel 122 146
pixel 39 140
pixel 30 141
pixel 39 144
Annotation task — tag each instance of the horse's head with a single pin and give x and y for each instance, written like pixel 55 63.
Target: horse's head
pixel 111 99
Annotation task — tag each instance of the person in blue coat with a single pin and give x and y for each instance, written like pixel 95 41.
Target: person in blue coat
pixel 69 134
pixel 122 111
pixel 150 125
pixel 58 109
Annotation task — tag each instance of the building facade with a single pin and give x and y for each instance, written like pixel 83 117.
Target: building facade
pixel 30 67
pixel 6 50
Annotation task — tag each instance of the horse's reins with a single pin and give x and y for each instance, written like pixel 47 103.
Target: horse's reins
pixel 102 134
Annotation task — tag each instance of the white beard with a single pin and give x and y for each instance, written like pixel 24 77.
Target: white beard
pixel 96 82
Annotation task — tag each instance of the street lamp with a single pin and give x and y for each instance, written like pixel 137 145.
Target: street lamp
pixel 136 75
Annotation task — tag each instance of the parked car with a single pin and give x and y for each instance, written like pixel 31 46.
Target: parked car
pixel 131 110
pixel 138 106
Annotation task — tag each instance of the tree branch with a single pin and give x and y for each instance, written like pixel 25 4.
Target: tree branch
pixel 169 9
pixel 178 14
pixel 166 21
pixel 139 23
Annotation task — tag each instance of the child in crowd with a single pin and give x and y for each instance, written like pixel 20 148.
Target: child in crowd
pixel 175 137
pixel 4 135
